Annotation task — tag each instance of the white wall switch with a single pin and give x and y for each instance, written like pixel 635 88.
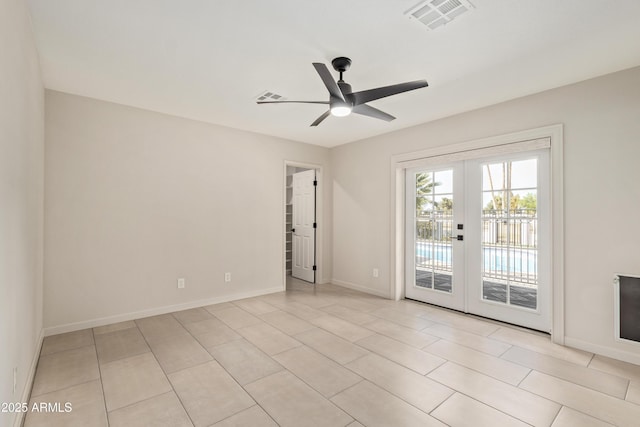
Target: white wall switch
pixel 181 283
pixel 227 277
pixel 376 273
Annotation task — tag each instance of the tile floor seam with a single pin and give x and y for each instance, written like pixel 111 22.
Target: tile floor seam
pixel 240 385
pixel 166 377
pixel 40 356
pixel 239 412
pixel 146 399
pixel 525 377
pixel 572 407
pixel 390 360
pixel 515 417
pixel 626 377
pixel 557 415
pixel 64 388
pixel 495 379
pixel 261 407
pixel 121 357
pixel 453 392
pixel 321 395
pixel 62 351
pixel 390 391
pixel 313 388
pixel 104 399
pixel 572 382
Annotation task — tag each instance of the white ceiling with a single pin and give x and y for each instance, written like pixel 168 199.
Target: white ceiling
pixel 209 59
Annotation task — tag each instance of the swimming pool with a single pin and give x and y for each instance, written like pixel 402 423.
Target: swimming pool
pixel 494 259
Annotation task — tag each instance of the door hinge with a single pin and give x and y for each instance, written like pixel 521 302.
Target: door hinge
pixel 314 268
pixel 315 225
pixel 315 183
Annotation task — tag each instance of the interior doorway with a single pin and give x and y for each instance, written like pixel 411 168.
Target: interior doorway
pixel 301 222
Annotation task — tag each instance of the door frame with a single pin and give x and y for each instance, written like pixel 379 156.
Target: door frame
pixel 320 230
pixel 401 162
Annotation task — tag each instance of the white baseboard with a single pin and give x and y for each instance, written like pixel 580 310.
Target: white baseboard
pixel 360 288
pixel 28 384
pixel 93 323
pixel 614 353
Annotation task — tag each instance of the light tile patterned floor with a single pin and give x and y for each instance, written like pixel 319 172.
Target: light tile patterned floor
pixel 329 357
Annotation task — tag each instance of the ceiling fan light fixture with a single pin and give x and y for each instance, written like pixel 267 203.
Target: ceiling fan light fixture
pixel 340 109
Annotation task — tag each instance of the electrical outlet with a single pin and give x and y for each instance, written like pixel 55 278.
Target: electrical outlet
pixel 15 379
pixel 181 283
pixel 376 273
pixel 227 277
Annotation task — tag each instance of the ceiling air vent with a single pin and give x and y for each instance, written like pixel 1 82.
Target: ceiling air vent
pixel 436 13
pixel 270 96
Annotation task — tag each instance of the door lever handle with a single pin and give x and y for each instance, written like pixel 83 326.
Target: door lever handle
pixel 458 237
pixel 293 230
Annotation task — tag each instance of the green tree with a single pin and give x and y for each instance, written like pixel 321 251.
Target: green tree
pixel 424 188
pixel 445 204
pixel 529 201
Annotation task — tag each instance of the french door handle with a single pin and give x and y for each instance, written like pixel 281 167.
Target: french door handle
pixel 458 237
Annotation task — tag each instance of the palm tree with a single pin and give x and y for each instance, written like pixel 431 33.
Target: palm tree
pixel 424 188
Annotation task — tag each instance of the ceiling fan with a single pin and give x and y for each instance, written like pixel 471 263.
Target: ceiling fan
pixel 342 101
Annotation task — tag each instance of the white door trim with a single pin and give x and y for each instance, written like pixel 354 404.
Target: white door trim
pixel 399 163
pixel 320 276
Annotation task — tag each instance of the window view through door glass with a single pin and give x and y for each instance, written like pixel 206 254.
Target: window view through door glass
pixel 510 233
pixel 434 228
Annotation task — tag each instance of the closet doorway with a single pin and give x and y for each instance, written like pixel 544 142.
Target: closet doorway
pixel 301 221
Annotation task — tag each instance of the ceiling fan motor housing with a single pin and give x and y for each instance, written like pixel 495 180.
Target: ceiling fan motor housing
pixel 341 64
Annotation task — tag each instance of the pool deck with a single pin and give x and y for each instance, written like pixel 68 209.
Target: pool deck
pixel 520 296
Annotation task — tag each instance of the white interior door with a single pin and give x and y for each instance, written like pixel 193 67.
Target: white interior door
pixel 303 225
pixel 499 206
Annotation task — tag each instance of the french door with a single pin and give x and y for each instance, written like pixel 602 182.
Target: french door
pixel 478 237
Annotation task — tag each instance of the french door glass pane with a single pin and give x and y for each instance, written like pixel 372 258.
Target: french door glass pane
pixel 510 233
pixel 434 228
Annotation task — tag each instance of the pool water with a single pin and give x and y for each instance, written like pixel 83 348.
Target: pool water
pixel 494 259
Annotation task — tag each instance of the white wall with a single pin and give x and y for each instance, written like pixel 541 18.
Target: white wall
pixel 21 200
pixel 601 120
pixel 136 199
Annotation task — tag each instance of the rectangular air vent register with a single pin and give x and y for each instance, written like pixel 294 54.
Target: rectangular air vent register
pixel 436 13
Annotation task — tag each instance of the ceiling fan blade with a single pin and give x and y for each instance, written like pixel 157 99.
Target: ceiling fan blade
pixel 293 102
pixel 382 92
pixel 327 78
pixel 321 118
pixel 367 110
